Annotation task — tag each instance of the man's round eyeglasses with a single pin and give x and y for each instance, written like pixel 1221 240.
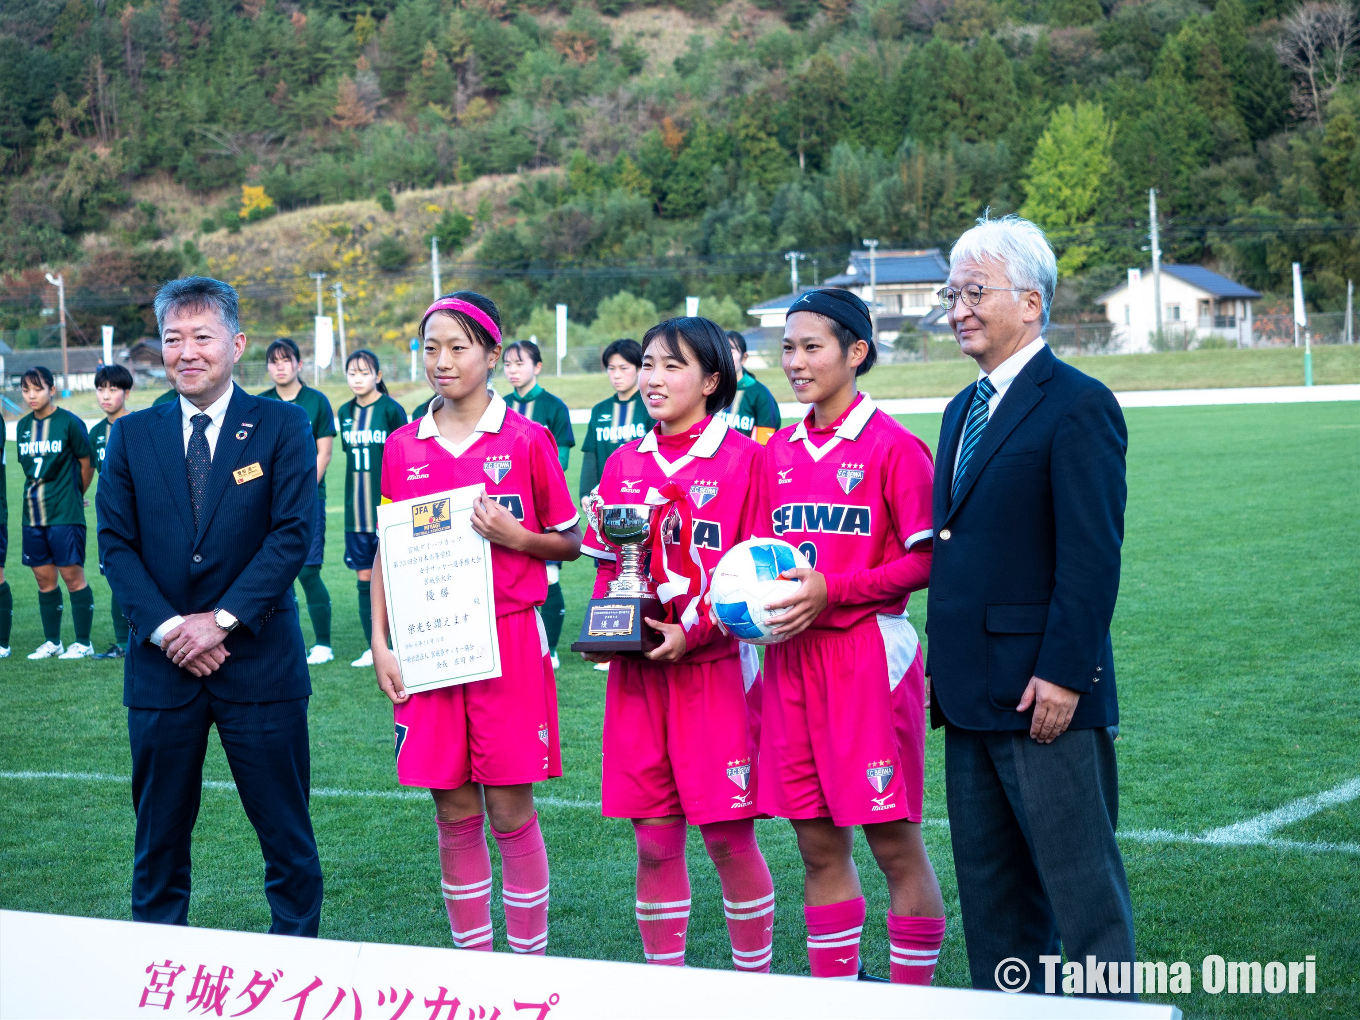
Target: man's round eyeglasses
pixel 971 294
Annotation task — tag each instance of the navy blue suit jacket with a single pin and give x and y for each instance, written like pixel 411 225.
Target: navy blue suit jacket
pixel 1026 559
pixel 251 541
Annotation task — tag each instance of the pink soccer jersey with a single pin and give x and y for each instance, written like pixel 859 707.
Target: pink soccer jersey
pixel 718 468
pixel 854 497
pixel 516 459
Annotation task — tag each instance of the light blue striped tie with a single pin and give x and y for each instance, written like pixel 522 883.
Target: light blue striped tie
pixel 978 413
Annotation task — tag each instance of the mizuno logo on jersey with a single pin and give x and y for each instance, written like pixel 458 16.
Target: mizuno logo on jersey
pixel 497 468
pixel 417 471
pixel 631 486
pixel 848 476
pixel 813 517
pixel 40 448
pixel 512 503
pixel 785 476
pixel 618 433
pixel 364 437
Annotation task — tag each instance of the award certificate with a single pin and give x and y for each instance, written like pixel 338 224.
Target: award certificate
pixel 441 605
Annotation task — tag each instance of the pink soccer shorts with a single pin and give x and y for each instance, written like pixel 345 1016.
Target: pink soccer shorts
pixel 678 740
pixel 838 737
pixel 501 731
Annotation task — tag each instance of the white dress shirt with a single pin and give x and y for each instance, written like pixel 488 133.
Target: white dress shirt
pixel 1001 378
pixel 217 411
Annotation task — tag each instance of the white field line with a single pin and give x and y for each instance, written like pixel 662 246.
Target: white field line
pixel 1252 832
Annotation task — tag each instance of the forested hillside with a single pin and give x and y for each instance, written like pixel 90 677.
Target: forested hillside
pixel 685 144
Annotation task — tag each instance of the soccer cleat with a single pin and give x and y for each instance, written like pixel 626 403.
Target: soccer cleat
pixel 47 650
pixel 115 651
pixel 4 653
pixel 77 651
pixel 601 667
pixel 864 975
pixel 556 662
pixel 365 660
pixel 320 654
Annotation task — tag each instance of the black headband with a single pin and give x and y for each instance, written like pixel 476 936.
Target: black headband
pixel 838 305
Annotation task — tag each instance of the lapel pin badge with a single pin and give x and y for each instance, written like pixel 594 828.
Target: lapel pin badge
pixel 241 434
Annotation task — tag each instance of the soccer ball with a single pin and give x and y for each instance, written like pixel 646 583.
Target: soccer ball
pixel 746 580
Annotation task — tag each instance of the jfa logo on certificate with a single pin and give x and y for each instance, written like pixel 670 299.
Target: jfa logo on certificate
pixel 430 518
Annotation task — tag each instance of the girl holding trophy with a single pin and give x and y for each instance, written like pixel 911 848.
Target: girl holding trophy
pixel 479 747
pixel 680 726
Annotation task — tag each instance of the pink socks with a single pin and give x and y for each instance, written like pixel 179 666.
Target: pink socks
pixel 465 865
pixel 524 887
pixel 914 946
pixel 748 892
pixel 833 938
pixel 662 892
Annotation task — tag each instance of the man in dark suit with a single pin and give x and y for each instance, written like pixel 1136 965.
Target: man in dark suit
pixel 1029 518
pixel 206 509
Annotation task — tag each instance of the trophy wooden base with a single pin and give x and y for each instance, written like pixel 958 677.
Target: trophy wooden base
pixel 615 625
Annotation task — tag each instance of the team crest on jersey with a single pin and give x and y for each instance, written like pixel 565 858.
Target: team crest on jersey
pixel 702 493
pixel 740 772
pixel 496 468
pixel 879 774
pixel 849 475
pixel 543 734
pixel 400 739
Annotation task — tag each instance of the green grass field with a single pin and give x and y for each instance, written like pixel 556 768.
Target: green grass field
pixel 1238 667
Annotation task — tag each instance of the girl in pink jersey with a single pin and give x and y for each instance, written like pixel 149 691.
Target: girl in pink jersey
pixel 843 738
pixel 479 747
pixel 680 731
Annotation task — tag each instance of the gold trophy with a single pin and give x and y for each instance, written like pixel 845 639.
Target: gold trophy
pixel 614 623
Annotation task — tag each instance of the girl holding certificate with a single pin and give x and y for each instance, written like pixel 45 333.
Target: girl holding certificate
pixel 681 726
pixel 479 747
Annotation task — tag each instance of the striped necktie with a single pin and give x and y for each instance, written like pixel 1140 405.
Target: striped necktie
pixel 978 413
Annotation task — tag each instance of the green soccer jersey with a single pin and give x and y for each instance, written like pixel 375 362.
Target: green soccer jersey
pixel 363 433
pixel 613 423
pixel 754 407
pixel 420 410
pixel 541 406
pixel 318 410
pixel 99 442
pixel 4 487
pixel 49 453
pixel 165 398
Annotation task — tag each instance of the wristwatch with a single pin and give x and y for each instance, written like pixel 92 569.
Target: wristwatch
pixel 225 620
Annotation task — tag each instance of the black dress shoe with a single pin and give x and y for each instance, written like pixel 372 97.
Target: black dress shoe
pixel 864 975
pixel 114 652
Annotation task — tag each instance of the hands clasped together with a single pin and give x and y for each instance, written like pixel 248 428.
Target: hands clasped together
pixel 196 645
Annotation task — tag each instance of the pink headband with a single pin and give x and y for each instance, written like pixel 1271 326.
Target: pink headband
pixel 467 308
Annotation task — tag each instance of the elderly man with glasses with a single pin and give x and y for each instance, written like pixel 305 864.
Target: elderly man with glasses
pixel 1029 518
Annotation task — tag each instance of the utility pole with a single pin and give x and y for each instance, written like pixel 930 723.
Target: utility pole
pixel 1155 240
pixel 59 281
pixel 318 277
pixel 434 265
pixel 792 258
pixel 816 279
pixel 340 314
pixel 872 245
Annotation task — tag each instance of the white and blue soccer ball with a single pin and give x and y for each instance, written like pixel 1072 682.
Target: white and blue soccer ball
pixel 746 579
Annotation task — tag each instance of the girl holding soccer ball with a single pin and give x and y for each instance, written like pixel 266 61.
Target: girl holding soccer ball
pixel 843 740
pixel 480 747
pixel 681 724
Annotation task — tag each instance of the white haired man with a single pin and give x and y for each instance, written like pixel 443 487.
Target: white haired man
pixel 1029 518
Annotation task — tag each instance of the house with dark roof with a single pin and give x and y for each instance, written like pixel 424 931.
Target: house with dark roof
pixel 1196 303
pixel 906 281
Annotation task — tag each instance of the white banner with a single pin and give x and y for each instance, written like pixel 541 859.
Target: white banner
pixel 691 306
pixel 1300 313
pixel 325 341
pixel 561 336
pixel 107 332
pixel 53 966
